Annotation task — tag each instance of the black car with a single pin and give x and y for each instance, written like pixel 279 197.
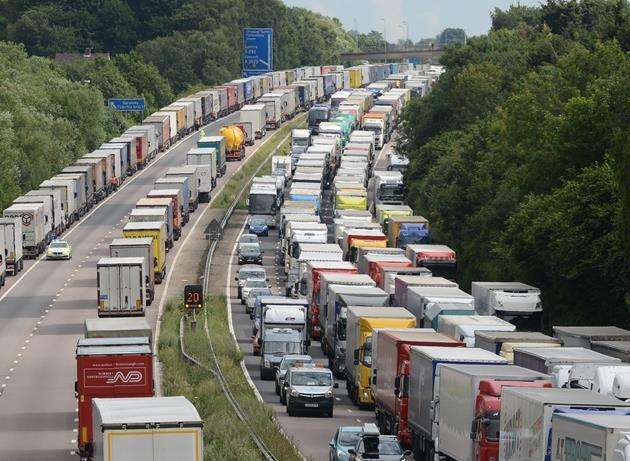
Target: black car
pixel 249 253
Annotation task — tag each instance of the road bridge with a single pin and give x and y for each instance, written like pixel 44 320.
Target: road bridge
pixel 424 54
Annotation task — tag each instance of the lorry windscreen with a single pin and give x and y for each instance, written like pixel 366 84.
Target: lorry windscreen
pixel 391 192
pixel 493 426
pixel 317 115
pixel 282 347
pixel 262 204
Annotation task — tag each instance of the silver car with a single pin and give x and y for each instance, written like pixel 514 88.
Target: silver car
pixel 247 272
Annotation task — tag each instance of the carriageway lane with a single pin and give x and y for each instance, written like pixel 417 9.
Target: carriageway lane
pixel 310 433
pixel 42 313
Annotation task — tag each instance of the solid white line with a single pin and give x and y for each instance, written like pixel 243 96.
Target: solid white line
pixel 228 298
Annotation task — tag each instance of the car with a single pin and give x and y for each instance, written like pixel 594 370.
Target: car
pixel 344 439
pixel 59 249
pixel 287 362
pixel 258 225
pixel 249 238
pixel 250 300
pixel 249 271
pixel 373 445
pixel 249 253
pixel 310 388
pixel 249 284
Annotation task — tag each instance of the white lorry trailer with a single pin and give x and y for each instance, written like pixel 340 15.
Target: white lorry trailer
pixel 526 415
pixel 137 247
pixel 120 284
pixel 32 217
pixel 146 428
pixel 205 159
pixel 12 230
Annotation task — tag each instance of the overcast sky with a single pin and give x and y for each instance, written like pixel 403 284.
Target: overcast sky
pixel 425 18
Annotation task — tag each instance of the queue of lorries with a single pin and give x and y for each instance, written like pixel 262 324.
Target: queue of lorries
pixel 119 417
pixel 452 374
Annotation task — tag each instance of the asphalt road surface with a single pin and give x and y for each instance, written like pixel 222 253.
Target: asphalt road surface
pixel 42 311
pixel 310 433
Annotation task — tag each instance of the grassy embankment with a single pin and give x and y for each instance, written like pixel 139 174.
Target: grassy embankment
pixel 225 436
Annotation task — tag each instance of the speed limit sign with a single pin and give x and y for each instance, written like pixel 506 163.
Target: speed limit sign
pixel 193 297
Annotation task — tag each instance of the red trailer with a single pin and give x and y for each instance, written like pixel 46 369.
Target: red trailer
pixel 231 97
pixel 109 368
pixel 311 285
pixel 390 375
pixel 377 267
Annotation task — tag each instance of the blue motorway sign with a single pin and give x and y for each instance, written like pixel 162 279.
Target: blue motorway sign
pixel 126 105
pixel 257 51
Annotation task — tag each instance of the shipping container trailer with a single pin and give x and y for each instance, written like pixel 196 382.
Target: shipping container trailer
pixel 151 214
pixel 121 157
pixel 130 142
pixel 99 174
pixel 180 120
pixel 173 131
pixel 515 302
pixel 150 428
pixel 137 247
pixel 143 144
pixel 463 327
pixel 190 113
pixel 181 184
pixel 231 94
pixel 162 124
pixel 11 228
pixel 88 179
pixel 32 217
pixel 197 109
pixel 79 190
pixel 109 368
pixel 68 201
pixel 256 114
pixel 112 166
pixel 46 201
pixel 618 349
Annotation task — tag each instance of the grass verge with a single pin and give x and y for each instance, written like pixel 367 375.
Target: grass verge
pixel 225 436
pixel 236 182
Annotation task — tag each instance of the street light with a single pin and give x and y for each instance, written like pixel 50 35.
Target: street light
pixel 405 25
pixel 385 36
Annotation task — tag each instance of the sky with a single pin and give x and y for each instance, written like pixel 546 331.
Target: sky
pixel 425 18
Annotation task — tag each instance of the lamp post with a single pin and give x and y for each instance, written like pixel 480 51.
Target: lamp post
pixel 385 36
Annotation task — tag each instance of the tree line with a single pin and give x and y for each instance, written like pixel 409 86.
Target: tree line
pixel 520 156
pixel 52 113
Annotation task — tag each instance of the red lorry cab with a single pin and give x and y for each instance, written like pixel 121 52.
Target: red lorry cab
pixel 109 368
pixel 317 268
pixel 377 268
pixel 488 409
pixel 390 381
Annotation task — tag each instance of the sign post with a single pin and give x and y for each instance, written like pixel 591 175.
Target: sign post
pixel 193 300
pixel 257 51
pixel 126 105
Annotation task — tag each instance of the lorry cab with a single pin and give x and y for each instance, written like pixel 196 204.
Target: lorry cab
pixel 275 344
pixel 317 114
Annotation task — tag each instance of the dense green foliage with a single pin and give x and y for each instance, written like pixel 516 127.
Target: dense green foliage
pixel 51 114
pixel 520 157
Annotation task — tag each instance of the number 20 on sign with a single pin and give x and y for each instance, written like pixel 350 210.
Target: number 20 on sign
pixel 193 296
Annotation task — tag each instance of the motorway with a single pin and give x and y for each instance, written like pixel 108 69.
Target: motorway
pixel 42 311
pixel 310 433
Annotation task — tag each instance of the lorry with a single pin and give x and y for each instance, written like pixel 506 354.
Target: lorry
pixel 383 212
pixel 339 297
pixel 560 362
pixel 88 179
pixel 376 124
pixel 273 111
pixel 361 322
pixel 583 336
pixel 515 302
pixel 619 349
pixel 463 327
pixel 147 428
pixel 205 160
pixel 402 283
pixel 263 200
pixel 526 416
pixel 97 167
pixel 157 213
pixel 596 435
pixel 156 231
pixel 424 388
pixel 388 273
pixel 79 190
pixel 167 199
pixel 494 341
pixel 469 399
pixel 439 259
pixel 46 201
pixel 276 319
pixel 181 184
pixel 309 252
pixel 146 143
pixel 109 368
pixel 405 230
pixel 68 201
pixel 217 143
pixel 33 235
pixel 373 262
pixel 428 303
pixel 256 114
pixel 390 375
pixel 137 247
pixel 117 327
pixel 396 161
pixel 11 230
pixel 191 173
pixel 300 141
pixel 281 165
pixel 234 142
pixel 353 239
pixel 317 114
pixel 120 286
